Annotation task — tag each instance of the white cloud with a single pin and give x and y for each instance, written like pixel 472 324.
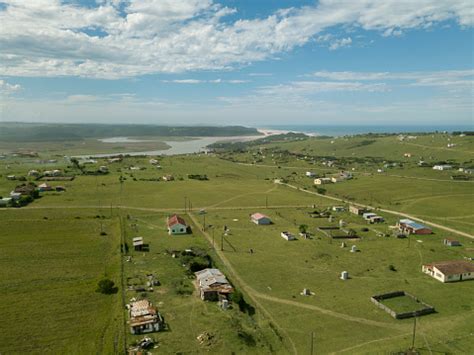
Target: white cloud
pixel 7 88
pixel 459 79
pixel 342 42
pixel 213 81
pixel 52 38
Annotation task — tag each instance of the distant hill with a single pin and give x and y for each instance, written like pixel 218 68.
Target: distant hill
pixel 42 132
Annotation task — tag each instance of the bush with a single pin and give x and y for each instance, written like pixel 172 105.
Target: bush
pixel 106 287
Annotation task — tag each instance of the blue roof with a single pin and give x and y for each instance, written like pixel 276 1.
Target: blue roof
pixel 413 224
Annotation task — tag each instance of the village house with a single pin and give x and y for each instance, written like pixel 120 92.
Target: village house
pixel 45 187
pixel 168 178
pixel 322 181
pixel 176 225
pixel 310 174
pixel 213 285
pixel 103 169
pixel 411 227
pixel 26 189
pixel 450 271
pixel 15 195
pixel 372 217
pixel 442 167
pixel 153 161
pixel 138 243
pixel 451 242
pixel 34 173
pixel 287 236
pixel 144 318
pixel 338 208
pixel 5 201
pixel 357 210
pixel 260 219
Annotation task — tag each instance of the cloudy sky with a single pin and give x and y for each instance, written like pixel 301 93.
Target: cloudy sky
pixel 259 63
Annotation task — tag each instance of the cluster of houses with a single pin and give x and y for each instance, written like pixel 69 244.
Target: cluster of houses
pixel 342 176
pixel 370 217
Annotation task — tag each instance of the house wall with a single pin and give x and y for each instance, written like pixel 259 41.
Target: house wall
pixel 262 221
pixel 178 229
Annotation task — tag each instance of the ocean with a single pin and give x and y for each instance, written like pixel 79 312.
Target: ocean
pixel 342 130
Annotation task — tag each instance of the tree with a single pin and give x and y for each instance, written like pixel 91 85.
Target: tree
pixel 303 228
pixel 106 287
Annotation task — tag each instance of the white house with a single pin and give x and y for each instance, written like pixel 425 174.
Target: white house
pixel 310 174
pixel 450 271
pixel 322 181
pixel 177 225
pixel 287 236
pixel 4 202
pixel 260 219
pixel 15 195
pixel 442 167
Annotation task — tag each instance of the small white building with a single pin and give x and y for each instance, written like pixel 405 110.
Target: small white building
pixel 310 174
pixel 442 167
pixel 450 271
pixel 260 219
pixel 5 201
pixel 34 173
pixel 338 208
pixel 322 181
pixel 15 195
pixel 287 235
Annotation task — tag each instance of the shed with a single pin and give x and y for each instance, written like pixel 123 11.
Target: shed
pixel 260 219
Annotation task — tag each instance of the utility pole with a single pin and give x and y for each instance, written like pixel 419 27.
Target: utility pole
pixel 222 242
pixel 213 244
pixel 312 343
pixel 266 201
pixel 185 198
pixel 204 224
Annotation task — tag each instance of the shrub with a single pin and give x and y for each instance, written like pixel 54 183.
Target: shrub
pixel 106 287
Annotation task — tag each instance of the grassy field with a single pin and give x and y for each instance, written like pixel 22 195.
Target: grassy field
pixel 49 269
pixel 52 256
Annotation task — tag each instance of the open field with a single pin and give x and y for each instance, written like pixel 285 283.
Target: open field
pixel 51 251
pixel 49 269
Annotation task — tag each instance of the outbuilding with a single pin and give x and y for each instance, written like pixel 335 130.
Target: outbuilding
pixel 260 219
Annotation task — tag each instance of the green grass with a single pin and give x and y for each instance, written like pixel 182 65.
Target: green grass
pixel 402 304
pixel 49 268
pixel 49 271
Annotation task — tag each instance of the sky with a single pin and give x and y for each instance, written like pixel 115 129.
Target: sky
pixel 247 62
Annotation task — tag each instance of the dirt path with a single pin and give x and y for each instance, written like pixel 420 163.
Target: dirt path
pixel 255 296
pixel 245 287
pixel 396 213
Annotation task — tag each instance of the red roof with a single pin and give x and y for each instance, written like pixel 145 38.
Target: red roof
pixel 175 219
pixel 258 216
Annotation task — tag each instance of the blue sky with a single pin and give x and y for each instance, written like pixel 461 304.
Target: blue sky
pixel 247 62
